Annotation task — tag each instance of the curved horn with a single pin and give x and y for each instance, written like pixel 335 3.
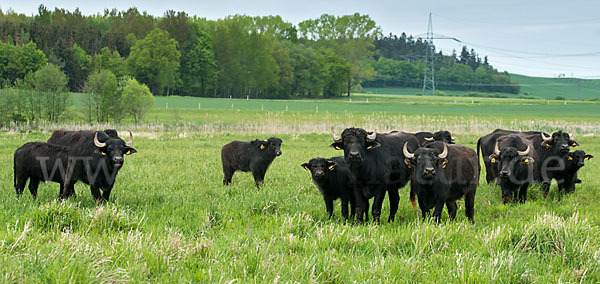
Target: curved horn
pixel 453 138
pixel 496 150
pixel 406 153
pixel 98 143
pixel 130 142
pixel 372 137
pixel 335 137
pixel 524 153
pixel 545 138
pixel 444 153
pixel 430 139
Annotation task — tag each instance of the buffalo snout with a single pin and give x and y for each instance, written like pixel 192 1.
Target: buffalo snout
pixel 504 173
pixel 429 173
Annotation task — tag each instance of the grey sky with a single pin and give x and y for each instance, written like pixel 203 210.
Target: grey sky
pixel 537 38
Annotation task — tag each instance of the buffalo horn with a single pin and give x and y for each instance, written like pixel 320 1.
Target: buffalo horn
pixel 546 138
pixel 444 153
pixel 496 150
pixel 430 139
pixel 406 153
pixel 130 142
pixel 372 137
pixel 98 143
pixel 335 137
pixel 524 153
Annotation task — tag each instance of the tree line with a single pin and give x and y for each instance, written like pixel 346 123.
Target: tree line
pixel 238 56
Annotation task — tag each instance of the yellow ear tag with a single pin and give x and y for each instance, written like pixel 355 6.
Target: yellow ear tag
pixel 306 168
pixel 547 145
pixel 444 164
pixel 571 158
pixel 493 160
pixel 337 148
pixel 526 161
pixel 128 152
pixel 331 167
pixel 586 158
pixel 574 144
pixel 262 146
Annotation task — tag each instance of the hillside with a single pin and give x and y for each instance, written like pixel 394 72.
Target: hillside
pixel 550 88
pixel 547 88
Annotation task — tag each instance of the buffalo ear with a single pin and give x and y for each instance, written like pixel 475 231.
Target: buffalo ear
pixel 528 160
pixel 337 145
pixel 262 144
pixel 372 145
pixel 573 143
pixel 305 166
pixel 331 165
pixel 129 151
pixel 587 157
pixel 443 163
pixel 493 158
pixel 410 162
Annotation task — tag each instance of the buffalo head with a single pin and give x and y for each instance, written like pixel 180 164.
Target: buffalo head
pixel 319 167
pixel 355 142
pixel 114 148
pixel 426 161
pixel 559 139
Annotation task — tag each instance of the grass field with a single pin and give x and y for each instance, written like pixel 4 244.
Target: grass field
pixel 539 87
pixel 171 220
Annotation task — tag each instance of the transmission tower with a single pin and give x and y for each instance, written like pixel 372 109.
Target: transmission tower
pixel 429 76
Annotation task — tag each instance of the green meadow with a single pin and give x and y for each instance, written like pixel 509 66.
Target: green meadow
pixel 170 219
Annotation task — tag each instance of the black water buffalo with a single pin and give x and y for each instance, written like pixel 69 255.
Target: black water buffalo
pixel 254 156
pixel 551 151
pixel 443 174
pixel 377 163
pixel 515 158
pixel 567 178
pixel 95 158
pixel 39 161
pixel 63 137
pixel 428 137
pixel 334 180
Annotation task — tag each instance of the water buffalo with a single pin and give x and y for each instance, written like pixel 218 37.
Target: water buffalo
pixel 443 174
pixel 334 180
pixel 95 162
pixel 254 156
pixel 568 177
pixel 428 137
pixel 377 162
pixel 39 161
pixel 515 158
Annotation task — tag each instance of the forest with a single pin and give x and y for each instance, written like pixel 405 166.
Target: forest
pixel 238 56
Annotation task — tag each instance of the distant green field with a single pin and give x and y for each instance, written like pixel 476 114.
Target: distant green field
pixel 545 88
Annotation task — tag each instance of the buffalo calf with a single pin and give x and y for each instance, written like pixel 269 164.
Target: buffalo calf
pixel 39 161
pixel 568 177
pixel 254 156
pixel 334 180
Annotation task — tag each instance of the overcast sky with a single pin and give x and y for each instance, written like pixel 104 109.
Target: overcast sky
pixel 536 38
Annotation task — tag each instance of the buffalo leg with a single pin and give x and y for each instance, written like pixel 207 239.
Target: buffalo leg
pixel 20 184
pixel 362 206
pixel 106 194
pixel 259 177
pixel 96 193
pixel 470 205
pixel 545 187
pixel 227 175
pixel 352 208
pixel 344 207
pixel 394 201
pixel 437 211
pixel 329 206
pixel 33 186
pixel 424 209
pixel 523 193
pixel 451 205
pixel 377 204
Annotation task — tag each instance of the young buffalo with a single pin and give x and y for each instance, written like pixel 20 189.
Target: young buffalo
pixel 443 174
pixel 568 177
pixel 254 156
pixel 334 180
pixel 39 161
